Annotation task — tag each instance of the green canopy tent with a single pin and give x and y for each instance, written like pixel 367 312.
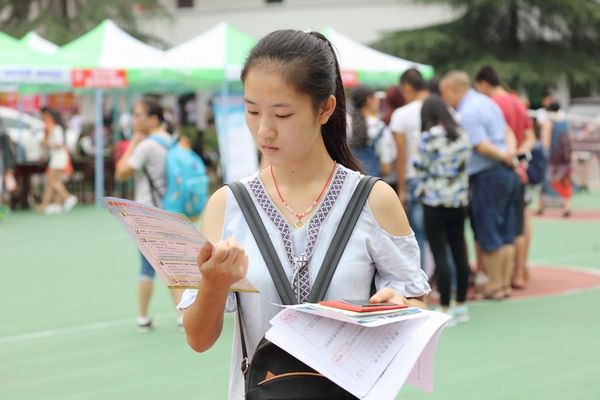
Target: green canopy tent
pixel 38 44
pixel 361 64
pixel 214 59
pixel 106 58
pixel 26 70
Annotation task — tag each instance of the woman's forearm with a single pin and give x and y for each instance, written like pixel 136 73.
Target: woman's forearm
pixel 203 320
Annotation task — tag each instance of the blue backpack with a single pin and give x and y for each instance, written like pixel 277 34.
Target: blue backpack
pixel 187 182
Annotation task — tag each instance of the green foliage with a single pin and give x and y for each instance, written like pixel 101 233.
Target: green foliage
pixel 61 21
pixel 530 42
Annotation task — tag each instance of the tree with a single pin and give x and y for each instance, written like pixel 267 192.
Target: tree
pixel 61 21
pixel 532 43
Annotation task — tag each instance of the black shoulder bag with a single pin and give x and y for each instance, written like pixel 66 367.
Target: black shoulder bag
pixel 273 373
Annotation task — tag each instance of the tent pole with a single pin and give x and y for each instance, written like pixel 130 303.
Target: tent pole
pixel 128 110
pixel 99 157
pixel 225 133
pixel 116 113
pixel 20 123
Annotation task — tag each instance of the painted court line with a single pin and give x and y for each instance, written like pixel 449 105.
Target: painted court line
pixel 129 321
pixel 71 330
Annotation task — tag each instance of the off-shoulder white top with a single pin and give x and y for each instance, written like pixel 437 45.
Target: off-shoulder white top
pixel 371 253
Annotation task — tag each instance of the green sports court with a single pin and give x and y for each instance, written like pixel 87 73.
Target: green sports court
pixel 68 306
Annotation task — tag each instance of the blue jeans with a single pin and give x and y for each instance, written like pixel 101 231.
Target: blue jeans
pixel 415 216
pixel 146 270
pixel 494 200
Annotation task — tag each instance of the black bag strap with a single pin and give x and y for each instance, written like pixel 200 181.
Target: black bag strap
pixel 340 239
pixel 264 242
pixel 245 361
pixel 154 191
pixel 330 261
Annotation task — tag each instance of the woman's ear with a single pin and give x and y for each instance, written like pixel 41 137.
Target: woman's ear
pixel 327 108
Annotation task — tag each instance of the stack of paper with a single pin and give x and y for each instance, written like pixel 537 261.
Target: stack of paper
pixel 371 358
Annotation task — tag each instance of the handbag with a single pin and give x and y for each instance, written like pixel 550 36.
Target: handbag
pixel 274 374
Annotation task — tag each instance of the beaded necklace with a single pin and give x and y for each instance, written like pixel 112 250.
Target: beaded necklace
pixel 299 224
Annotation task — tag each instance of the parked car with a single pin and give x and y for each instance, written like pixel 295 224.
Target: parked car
pixel 26 132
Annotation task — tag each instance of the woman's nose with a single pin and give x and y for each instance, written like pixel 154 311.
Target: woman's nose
pixel 266 128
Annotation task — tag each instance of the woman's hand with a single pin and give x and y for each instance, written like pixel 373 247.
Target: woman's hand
pixel 388 295
pixel 222 265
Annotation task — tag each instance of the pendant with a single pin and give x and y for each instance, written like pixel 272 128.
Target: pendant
pixel 299 225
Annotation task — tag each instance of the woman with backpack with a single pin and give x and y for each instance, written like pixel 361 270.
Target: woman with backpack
pixel 295 110
pixel 145 160
pixel 371 140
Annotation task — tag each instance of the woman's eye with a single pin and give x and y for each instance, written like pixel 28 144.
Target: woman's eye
pixel 252 112
pixel 283 116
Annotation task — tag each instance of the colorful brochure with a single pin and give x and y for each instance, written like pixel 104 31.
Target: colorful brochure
pixel 169 241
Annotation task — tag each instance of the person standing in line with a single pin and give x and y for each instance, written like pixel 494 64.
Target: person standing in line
pixel 406 126
pixel 393 100
pixel 559 156
pixel 59 164
pixel 296 112
pixel 145 159
pixel 441 166
pixel 493 183
pixel 515 114
pixel 371 140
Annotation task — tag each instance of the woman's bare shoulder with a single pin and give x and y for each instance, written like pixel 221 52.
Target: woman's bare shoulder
pixel 388 211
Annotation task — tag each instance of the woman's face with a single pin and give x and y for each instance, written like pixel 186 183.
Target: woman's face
pixel 372 104
pixel 141 121
pixel 47 118
pixel 282 120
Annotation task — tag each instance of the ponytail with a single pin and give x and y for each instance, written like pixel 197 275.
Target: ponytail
pixel 335 131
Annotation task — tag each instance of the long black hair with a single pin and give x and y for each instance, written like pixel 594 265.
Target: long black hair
pixel 435 112
pixel 359 97
pixel 54 115
pixel 308 62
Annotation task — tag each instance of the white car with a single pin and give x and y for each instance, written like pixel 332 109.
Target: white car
pixel 26 131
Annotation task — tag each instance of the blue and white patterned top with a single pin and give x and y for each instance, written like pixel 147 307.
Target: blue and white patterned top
pixel 442 168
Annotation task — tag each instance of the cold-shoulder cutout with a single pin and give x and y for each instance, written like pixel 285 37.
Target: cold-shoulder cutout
pixel 388 211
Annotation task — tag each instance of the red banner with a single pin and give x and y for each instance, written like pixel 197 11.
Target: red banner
pixel 63 102
pixel 349 78
pixel 31 103
pixel 99 78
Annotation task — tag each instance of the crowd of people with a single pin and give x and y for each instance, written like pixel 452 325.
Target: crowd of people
pixel 466 148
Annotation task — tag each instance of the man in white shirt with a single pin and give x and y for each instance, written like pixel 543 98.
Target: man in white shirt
pixel 406 126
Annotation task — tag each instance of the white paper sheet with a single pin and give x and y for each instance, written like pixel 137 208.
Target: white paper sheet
pixel 395 376
pixel 369 362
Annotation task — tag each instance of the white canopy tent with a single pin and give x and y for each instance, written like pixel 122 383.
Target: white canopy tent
pixel 361 64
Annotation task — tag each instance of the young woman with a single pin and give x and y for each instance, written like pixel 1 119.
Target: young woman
pixel 295 110
pixel 56 197
pixel 441 165
pixel 371 140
